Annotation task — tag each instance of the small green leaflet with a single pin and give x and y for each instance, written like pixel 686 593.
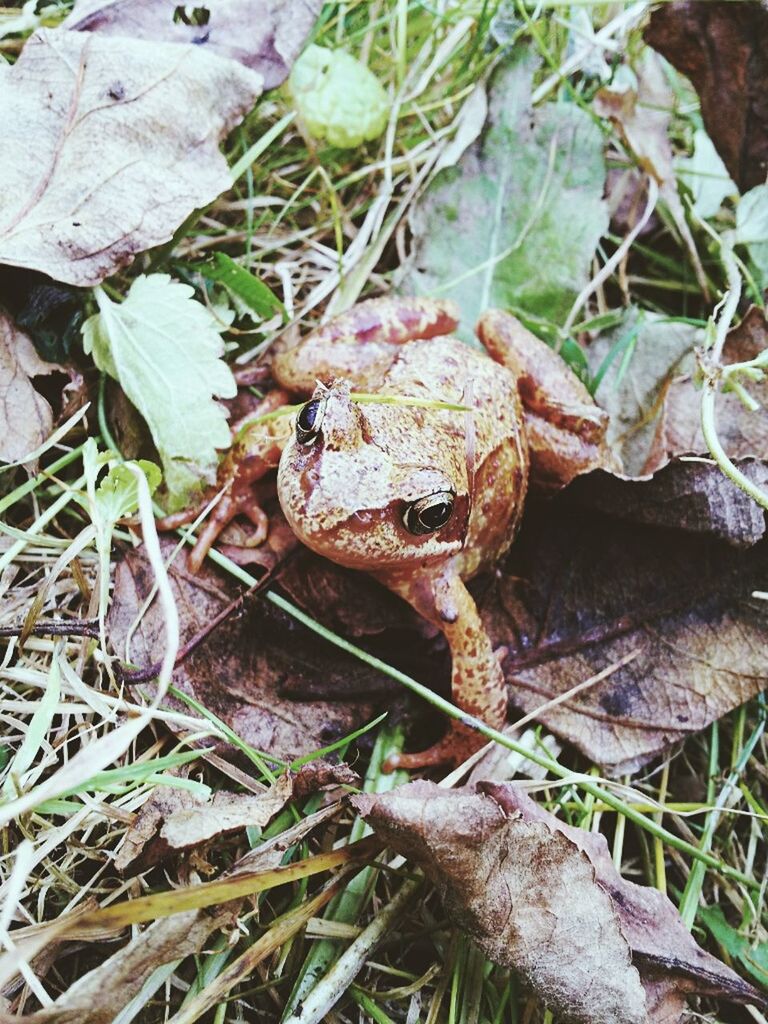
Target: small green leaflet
pixel 164 348
pixel 754 959
pixel 258 297
pixel 752 229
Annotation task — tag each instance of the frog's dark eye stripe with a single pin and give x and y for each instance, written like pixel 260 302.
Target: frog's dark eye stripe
pixel 429 513
pixel 309 420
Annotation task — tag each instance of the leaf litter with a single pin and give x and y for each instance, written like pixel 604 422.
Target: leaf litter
pixel 584 597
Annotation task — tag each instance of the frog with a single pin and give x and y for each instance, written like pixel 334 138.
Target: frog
pixel 410 459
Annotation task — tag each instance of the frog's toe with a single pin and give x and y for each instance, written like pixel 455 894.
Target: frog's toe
pixel 456 746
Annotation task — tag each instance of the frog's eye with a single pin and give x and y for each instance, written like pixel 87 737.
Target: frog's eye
pixel 429 513
pixel 308 421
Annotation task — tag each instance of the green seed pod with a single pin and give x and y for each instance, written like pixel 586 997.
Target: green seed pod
pixel 338 98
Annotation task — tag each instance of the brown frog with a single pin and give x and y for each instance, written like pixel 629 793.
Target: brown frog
pixel 421 495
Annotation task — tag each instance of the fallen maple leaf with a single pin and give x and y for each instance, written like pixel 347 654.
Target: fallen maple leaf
pixel 650 393
pixel 265 35
pixel 26 418
pixel 109 144
pixel 545 899
pixel 720 46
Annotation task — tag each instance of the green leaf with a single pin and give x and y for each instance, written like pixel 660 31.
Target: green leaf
pixel 164 349
pixel 752 228
pixel 754 959
pixel 516 222
pixel 258 297
pixel 706 176
pixel 118 493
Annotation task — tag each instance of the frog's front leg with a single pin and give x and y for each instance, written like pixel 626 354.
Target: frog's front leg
pixel 255 452
pixel 564 426
pixel 477 680
pixel 361 344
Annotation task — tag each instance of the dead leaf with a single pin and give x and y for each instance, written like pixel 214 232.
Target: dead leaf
pixel 98 996
pixel 266 35
pixel 720 46
pixel 227 812
pixel 643 117
pixel 580 593
pixel 545 899
pixel 241 668
pixel 655 417
pixel 26 418
pixel 109 144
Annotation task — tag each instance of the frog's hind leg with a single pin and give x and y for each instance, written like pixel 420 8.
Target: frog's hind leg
pixel 564 426
pixel 362 343
pixel 478 686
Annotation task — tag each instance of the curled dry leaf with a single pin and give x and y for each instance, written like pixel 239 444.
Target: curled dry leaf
pixel 720 46
pixel 643 118
pixel 241 668
pixel 664 619
pixel 265 35
pixel 154 114
pixel 655 418
pixel 26 418
pixel 545 899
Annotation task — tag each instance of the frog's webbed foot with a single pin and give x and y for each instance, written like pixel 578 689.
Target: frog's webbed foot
pixel 565 427
pixel 478 686
pixel 459 743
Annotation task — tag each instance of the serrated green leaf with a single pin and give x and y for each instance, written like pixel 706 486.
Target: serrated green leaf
pixel 517 221
pixel 257 296
pixel 118 493
pixel 164 349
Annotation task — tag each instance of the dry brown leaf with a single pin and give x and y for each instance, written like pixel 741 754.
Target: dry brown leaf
pixel 580 593
pixel 109 144
pixel 26 418
pixel 655 411
pixel 721 47
pixel 227 812
pixel 98 996
pixel 643 118
pixel 240 670
pixel 266 35
pixel 545 899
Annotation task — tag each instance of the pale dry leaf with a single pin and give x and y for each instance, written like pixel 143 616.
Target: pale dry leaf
pixel 266 35
pixel 26 418
pixel 227 812
pixel 98 996
pixel 109 144
pixel 643 117
pixel 546 900
pixel 666 618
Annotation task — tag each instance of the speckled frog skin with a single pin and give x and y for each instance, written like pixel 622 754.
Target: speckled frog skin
pixel 422 498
